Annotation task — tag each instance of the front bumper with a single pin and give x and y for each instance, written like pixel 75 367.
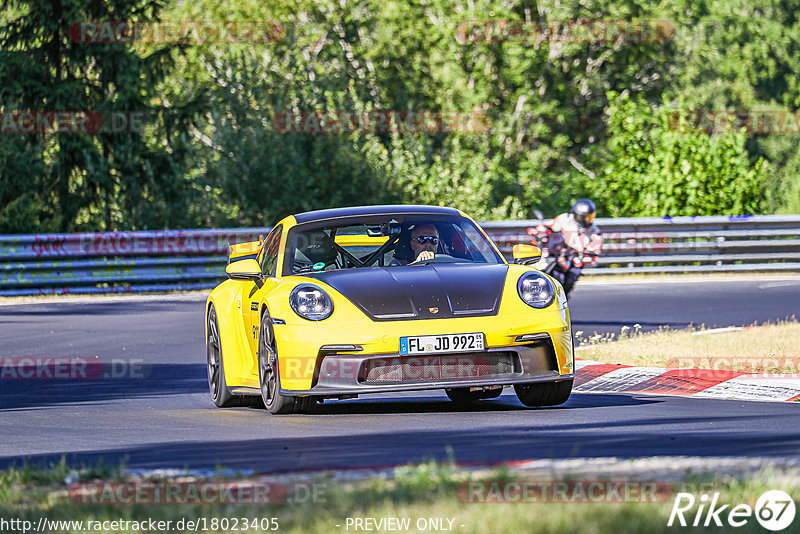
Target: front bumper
pixel 301 351
pixel 353 374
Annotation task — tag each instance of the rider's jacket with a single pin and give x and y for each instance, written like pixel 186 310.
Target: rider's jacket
pixel 563 233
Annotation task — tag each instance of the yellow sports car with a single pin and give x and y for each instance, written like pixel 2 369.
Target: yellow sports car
pixel 337 303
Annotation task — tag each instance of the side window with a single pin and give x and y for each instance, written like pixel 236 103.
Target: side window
pixel 271 246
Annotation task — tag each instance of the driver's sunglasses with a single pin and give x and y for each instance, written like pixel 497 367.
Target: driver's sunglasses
pixel 432 239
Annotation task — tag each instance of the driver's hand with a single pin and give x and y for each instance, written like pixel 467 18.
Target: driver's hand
pixel 425 255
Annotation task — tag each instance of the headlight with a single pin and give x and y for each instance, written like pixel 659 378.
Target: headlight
pixel 311 302
pixel 536 290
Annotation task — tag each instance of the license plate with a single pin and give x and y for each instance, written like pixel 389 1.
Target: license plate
pixel 442 343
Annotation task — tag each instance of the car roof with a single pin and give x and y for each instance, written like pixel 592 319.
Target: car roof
pixel 358 211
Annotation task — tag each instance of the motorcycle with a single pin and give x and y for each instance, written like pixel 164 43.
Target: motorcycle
pixel 565 266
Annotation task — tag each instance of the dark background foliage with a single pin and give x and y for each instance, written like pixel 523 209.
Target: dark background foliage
pixel 566 118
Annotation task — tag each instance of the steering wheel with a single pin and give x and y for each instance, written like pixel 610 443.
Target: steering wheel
pixel 441 258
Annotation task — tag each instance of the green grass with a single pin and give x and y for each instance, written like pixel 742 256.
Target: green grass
pixel 424 491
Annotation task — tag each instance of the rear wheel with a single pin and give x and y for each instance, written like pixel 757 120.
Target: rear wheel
pixel 220 393
pixel 465 396
pixel 544 394
pixel 269 374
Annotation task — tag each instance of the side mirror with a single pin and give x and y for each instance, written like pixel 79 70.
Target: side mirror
pixel 244 270
pixel 526 254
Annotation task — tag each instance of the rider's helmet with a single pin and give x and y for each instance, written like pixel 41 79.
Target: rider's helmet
pixel 584 211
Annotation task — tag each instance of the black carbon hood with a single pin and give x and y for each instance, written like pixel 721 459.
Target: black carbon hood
pixel 435 291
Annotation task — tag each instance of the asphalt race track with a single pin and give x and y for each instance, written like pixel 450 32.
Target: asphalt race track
pixel 168 420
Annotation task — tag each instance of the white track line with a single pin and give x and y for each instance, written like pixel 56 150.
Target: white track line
pixel 747 388
pixel 717 330
pixel 621 379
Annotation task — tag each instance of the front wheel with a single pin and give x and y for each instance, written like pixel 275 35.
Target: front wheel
pixel 269 372
pixel 544 394
pixel 220 393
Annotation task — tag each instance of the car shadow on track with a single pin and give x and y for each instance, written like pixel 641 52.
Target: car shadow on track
pixel 505 403
pixel 99 383
pixel 105 382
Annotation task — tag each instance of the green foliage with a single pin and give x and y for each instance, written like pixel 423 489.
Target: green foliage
pixel 657 168
pixel 744 55
pixel 372 55
pixel 74 181
pixel 212 156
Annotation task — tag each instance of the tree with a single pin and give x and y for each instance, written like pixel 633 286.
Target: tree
pixel 544 101
pixel 131 178
pixel 660 167
pixel 739 55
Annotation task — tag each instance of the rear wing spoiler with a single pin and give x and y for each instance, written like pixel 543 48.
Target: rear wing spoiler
pixel 244 251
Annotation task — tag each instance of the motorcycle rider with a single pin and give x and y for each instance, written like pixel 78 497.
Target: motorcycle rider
pixel 570 234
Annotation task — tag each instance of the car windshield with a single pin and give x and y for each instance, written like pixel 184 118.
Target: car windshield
pixel 386 241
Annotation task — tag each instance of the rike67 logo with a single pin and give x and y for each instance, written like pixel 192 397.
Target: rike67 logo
pixel 774 510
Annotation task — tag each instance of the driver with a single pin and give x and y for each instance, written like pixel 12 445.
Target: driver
pixel 424 242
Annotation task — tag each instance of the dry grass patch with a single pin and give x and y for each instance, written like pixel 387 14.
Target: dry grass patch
pixel 768 348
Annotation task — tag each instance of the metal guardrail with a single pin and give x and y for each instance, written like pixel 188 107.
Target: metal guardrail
pixel 118 262
pixel 682 244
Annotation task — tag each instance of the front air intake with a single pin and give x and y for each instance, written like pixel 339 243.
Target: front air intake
pixel 467 366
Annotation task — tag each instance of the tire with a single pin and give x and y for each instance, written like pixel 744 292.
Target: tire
pixel 465 396
pixel 218 388
pixel 269 378
pixel 544 394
